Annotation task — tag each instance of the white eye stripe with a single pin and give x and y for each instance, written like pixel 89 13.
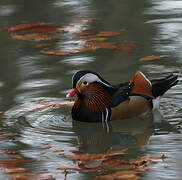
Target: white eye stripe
pixel 89 78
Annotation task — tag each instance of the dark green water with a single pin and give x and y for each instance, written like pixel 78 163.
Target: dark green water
pixel 26 76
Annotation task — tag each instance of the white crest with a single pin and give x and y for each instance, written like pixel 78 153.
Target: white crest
pixel 89 77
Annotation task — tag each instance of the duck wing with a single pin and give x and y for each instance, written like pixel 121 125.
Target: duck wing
pixel 121 93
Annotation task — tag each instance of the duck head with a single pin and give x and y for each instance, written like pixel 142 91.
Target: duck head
pixel 93 95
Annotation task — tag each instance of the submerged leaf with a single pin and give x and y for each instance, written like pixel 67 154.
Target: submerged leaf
pixel 152 58
pixel 35 37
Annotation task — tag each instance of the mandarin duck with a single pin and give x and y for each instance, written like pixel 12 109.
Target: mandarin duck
pixel 99 101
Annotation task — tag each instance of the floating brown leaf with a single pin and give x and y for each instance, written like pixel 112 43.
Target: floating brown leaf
pixel 12 170
pixel 109 33
pixel 127 175
pixel 88 49
pixel 84 33
pixel 98 39
pixel 5 135
pixel 59 151
pixel 152 58
pixel 32 28
pixel 100 45
pixel 59 52
pixel 127 47
pixel 35 37
pixel 106 45
pixel 41 45
pixel 13 162
pixel 22 176
pixel 31 176
pixel 8 152
pixel 94 162
pixel 96 156
pixel 15 28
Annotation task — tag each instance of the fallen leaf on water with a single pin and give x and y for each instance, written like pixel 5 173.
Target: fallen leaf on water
pixel 47 147
pixel 5 135
pixel 152 159
pixel 12 170
pixel 21 176
pixel 116 164
pixel 41 45
pixel 127 47
pixel 87 39
pixel 13 162
pixel 20 27
pixel 88 49
pixel 13 154
pixel 8 152
pixel 109 33
pixel 32 28
pixel 152 58
pixel 127 175
pixel 134 166
pixel 96 39
pixel 100 45
pixel 31 176
pixel 59 151
pixel 35 37
pixel 59 52
pixel 96 156
pixel 106 45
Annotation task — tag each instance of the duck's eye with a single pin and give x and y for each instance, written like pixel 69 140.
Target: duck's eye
pixel 85 83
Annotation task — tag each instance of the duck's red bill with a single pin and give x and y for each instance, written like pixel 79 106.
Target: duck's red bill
pixel 72 92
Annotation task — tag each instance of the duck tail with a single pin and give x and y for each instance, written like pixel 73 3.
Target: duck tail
pixel 160 86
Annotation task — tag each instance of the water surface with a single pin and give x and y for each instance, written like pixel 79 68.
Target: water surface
pixel 28 76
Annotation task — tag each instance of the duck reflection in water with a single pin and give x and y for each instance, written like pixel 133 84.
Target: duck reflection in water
pixel 120 134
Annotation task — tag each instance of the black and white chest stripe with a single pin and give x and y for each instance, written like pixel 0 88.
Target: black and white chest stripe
pixel 106 115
